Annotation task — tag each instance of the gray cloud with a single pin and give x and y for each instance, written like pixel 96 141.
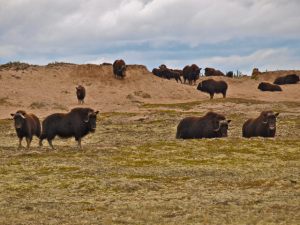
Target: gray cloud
pixel 35 29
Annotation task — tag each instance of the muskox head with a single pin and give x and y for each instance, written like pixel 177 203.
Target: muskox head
pixel 269 119
pixel 19 118
pixel 91 120
pixel 222 127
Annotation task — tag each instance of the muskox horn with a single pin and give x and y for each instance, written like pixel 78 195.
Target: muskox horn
pixel 88 117
pixel 222 122
pixel 20 114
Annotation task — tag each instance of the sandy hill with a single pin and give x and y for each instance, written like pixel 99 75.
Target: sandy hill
pixel 51 88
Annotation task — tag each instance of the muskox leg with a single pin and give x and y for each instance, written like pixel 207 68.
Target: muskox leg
pixel 79 142
pixel 224 94
pixel 50 143
pixel 20 142
pixel 28 141
pixel 211 95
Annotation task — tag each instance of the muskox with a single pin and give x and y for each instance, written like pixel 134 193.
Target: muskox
pixel 26 125
pixel 211 87
pixel 167 73
pixel 212 72
pixel 191 73
pixel 262 126
pixel 80 93
pixel 288 79
pixel 229 74
pixel 119 68
pixel 212 125
pixel 77 123
pixel 264 86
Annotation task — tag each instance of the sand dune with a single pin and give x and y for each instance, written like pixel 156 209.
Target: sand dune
pixel 51 88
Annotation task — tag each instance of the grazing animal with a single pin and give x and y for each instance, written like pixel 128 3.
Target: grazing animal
pixel 211 87
pixel 264 86
pixel 212 125
pixel 119 68
pixel 77 123
pixel 212 72
pixel 288 79
pixel 262 126
pixel 80 93
pixel 191 73
pixel 167 73
pixel 26 125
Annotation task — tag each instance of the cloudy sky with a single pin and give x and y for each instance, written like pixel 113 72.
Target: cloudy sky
pixel 226 34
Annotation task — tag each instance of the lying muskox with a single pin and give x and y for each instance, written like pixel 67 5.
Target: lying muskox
pixel 264 86
pixel 77 123
pixel 212 72
pixel 80 93
pixel 119 68
pixel 191 73
pixel 26 125
pixel 212 125
pixel 262 126
pixel 288 79
pixel 211 87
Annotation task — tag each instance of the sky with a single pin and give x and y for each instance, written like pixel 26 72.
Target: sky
pixel 224 34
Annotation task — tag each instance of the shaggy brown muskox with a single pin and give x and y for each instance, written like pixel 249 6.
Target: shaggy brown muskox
pixel 191 73
pixel 262 126
pixel 26 125
pixel 80 93
pixel 288 79
pixel 211 87
pixel 77 123
pixel 119 68
pixel 212 125
pixel 264 86
pixel 212 72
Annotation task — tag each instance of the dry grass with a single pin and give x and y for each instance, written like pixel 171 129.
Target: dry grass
pixel 134 171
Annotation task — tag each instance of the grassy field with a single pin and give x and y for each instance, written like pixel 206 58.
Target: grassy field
pixel 134 171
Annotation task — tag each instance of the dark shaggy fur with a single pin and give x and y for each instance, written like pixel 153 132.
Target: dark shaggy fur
pixel 167 73
pixel 264 86
pixel 212 125
pixel 212 72
pixel 262 126
pixel 288 79
pixel 229 74
pixel 211 87
pixel 26 125
pixel 77 123
pixel 80 93
pixel 119 68
pixel 191 73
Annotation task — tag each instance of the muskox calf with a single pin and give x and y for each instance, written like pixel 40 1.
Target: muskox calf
pixel 262 126
pixel 288 79
pixel 212 125
pixel 80 93
pixel 26 125
pixel 211 87
pixel 119 68
pixel 77 123
pixel 264 86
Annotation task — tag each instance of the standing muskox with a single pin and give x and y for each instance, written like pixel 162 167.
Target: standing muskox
pixel 119 68
pixel 211 87
pixel 288 79
pixel 191 73
pixel 77 123
pixel 26 125
pixel 212 125
pixel 262 126
pixel 264 86
pixel 80 93
pixel 167 73
pixel 212 72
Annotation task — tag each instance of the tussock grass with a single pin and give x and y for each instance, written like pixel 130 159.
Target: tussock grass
pixel 136 172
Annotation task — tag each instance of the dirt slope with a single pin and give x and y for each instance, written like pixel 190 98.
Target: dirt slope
pixel 47 89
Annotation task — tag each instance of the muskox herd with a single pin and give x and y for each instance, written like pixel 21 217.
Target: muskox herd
pixel 288 79
pixel 214 125
pixel 77 123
